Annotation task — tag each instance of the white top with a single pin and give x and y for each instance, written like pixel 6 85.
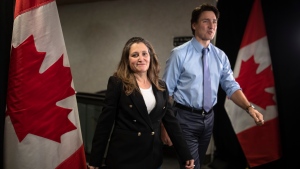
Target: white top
pixel 148 98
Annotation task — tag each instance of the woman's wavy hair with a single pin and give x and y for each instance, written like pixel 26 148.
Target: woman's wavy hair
pixel 125 73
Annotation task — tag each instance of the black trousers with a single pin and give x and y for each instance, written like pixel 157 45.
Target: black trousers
pixel 197 129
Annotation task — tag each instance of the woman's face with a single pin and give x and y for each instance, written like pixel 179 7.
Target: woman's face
pixel 139 58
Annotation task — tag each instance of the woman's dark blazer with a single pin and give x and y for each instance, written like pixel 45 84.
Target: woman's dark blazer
pixel 135 142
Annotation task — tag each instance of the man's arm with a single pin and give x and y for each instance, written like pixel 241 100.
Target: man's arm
pixel 240 99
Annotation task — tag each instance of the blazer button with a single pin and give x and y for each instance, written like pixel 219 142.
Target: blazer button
pixel 152 133
pixel 130 105
pixel 139 133
pixel 164 107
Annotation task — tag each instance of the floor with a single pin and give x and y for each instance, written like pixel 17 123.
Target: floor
pixel 170 160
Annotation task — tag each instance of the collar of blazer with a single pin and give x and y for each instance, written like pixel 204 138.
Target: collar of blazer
pixel 139 102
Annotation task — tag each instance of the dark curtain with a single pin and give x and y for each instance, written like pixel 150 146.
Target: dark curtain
pixel 6 24
pixel 283 32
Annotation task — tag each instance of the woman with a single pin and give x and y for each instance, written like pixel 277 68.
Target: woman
pixel 135 105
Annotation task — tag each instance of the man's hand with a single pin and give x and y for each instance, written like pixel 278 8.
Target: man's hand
pixel 92 167
pixel 165 137
pixel 257 116
pixel 240 99
pixel 189 164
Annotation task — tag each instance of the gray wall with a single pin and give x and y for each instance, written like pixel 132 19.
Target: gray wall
pixel 96 32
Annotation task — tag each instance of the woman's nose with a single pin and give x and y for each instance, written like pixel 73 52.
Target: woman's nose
pixel 140 59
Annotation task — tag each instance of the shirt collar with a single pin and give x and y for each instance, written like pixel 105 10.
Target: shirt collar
pixel 198 47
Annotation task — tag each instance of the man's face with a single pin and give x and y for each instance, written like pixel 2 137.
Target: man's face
pixel 206 26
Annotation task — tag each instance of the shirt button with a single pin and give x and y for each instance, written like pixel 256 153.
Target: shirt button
pixel 152 133
pixel 139 133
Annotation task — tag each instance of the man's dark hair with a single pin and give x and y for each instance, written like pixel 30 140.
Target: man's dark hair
pixel 198 11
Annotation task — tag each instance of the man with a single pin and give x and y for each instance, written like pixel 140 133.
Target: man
pixel 186 78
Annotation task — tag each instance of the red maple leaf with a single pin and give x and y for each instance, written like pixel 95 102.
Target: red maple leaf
pixel 254 85
pixel 32 97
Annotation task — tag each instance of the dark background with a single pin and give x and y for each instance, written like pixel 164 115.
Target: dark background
pixel 6 24
pixel 283 32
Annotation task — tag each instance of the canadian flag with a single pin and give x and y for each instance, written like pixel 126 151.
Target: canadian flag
pixel 253 71
pixel 42 128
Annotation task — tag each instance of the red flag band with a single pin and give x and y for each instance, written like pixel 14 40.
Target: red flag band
pixel 260 144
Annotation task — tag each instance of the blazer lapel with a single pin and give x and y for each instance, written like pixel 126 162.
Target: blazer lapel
pixel 139 102
pixel 159 102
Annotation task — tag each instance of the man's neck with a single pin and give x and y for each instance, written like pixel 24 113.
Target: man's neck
pixel 203 42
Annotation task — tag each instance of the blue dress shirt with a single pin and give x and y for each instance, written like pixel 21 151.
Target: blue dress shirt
pixel 184 73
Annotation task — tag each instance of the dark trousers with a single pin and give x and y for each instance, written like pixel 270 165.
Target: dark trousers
pixel 197 130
